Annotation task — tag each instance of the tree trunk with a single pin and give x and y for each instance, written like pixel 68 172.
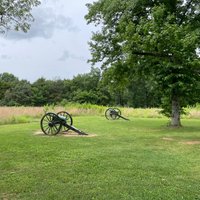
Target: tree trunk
pixel 175 118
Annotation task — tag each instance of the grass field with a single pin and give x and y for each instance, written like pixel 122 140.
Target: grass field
pixel 140 159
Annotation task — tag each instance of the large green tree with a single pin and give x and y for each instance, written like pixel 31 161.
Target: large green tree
pixel 85 87
pixel 16 14
pixel 7 81
pixel 155 38
pixel 18 95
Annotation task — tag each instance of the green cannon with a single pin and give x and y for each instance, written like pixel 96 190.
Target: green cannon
pixel 113 114
pixel 52 124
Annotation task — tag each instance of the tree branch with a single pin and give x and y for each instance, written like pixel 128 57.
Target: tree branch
pixel 183 16
pixel 155 54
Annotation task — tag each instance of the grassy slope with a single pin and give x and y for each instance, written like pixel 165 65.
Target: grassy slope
pixel 126 160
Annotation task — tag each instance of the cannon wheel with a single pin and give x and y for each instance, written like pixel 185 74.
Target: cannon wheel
pixel 68 119
pixel 118 112
pixel 109 115
pixel 49 125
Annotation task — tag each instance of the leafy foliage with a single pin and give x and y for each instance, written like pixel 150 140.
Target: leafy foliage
pixel 93 87
pixel 154 39
pixel 16 14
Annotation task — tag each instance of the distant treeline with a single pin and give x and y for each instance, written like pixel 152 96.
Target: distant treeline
pixel 93 87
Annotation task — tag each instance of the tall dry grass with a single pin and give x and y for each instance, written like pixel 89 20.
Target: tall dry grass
pixel 28 114
pixel 6 112
pixel 18 114
pixel 141 112
pixel 23 114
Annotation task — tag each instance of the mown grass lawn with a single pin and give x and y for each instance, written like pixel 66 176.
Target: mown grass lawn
pixel 140 159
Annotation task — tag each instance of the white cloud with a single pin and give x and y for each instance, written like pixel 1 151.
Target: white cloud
pixel 4 57
pixel 198 52
pixel 46 23
pixel 55 46
pixel 66 55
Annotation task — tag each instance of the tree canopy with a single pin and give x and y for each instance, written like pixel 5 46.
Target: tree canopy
pixel 158 39
pixel 93 87
pixel 16 14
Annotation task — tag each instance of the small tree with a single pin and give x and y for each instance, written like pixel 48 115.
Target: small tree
pixel 15 14
pixel 158 39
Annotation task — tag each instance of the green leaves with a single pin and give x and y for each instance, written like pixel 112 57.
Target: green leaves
pixel 158 39
pixel 16 15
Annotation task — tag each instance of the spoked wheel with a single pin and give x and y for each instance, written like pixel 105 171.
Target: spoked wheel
pixel 112 113
pixel 50 124
pixel 108 113
pixel 68 120
pixel 118 111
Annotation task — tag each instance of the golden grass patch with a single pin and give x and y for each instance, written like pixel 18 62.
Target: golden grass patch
pixel 9 114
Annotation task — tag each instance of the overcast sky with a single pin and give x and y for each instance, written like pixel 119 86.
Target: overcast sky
pixel 56 45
